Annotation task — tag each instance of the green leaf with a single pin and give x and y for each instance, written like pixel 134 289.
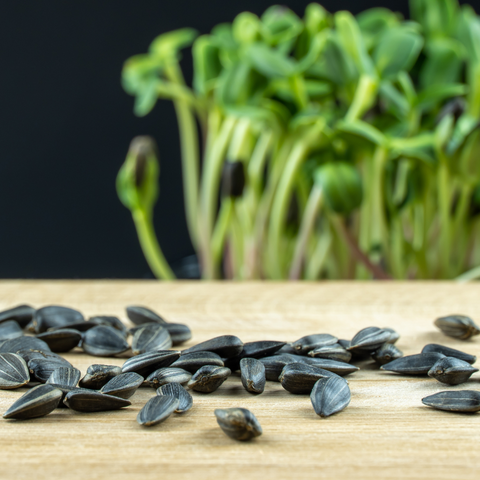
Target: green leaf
pixel 420 147
pixel 444 130
pixel 280 25
pixel 364 130
pixel 146 98
pixel 269 62
pixel 394 99
pixel 341 185
pixel 397 50
pixel 168 44
pixel 437 17
pixel 374 22
pixel 206 64
pixel 464 127
pixel 468 32
pixel 138 71
pixel 246 28
pixel 433 95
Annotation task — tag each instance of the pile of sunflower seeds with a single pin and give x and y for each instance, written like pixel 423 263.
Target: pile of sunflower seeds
pixel 312 365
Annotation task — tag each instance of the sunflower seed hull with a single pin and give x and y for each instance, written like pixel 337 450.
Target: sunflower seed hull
pixel 178 391
pixel 104 342
pixel 252 375
pixel 226 346
pixel 451 371
pixel 157 410
pixel 151 338
pixel 166 375
pixel 418 364
pixel 140 315
pixel 300 378
pixel 123 385
pixel 65 376
pixel 22 314
pixel 386 354
pixel 454 401
pixel 457 326
pixel 208 378
pixel 90 401
pixel 37 402
pixel 99 375
pixel 238 423
pixel 330 395
pixel 146 363
pixel 193 361
pixel 449 352
pixel 14 372
pixel 62 340
pixel 310 342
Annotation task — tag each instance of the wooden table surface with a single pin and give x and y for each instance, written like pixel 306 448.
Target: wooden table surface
pixel 385 432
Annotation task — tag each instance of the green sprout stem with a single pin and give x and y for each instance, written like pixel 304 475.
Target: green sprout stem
pixel 317 261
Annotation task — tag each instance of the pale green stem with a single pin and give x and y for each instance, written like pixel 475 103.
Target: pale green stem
pixel 473 274
pixel 150 246
pixel 364 97
pixel 316 263
pixel 445 233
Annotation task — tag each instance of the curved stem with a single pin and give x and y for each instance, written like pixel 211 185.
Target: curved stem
pixel 473 274
pixel 149 243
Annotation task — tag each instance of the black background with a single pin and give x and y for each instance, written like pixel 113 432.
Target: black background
pixel 66 123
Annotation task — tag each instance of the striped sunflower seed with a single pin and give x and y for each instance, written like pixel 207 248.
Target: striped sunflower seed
pixel 454 401
pixel 42 368
pixel 394 335
pixel 157 410
pixel 53 316
pixel 193 361
pixel 369 339
pixel 104 341
pixel 179 333
pixel 260 349
pixel 208 378
pixel 22 314
pixel 300 378
pixel 330 395
pixel 90 401
pixel 99 375
pixel 123 385
pixel 146 363
pixel 452 371
pixel 449 352
pixel 139 315
pixel 176 390
pixel 332 352
pixel 275 363
pixel 166 375
pixel 418 364
pixel 151 338
pixel 238 423
pixel 64 376
pixel 62 340
pixel 457 326
pixel 287 348
pixel 226 346
pixel 37 402
pixel 14 372
pixel 14 345
pixel 252 375
pixel 109 321
pixel 29 354
pixel 10 329
pixel 386 354
pixel 340 368
pixel 310 342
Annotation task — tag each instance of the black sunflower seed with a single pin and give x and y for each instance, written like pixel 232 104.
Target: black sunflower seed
pixel 332 352
pixel 14 372
pixel 157 410
pixel 14 345
pixel 300 378
pixel 226 346
pixel 386 354
pixel 252 375
pixel 123 385
pixel 109 321
pixel 369 339
pixel 139 315
pixel 193 361
pixel 99 375
pixel 452 371
pixel 90 401
pixel 29 354
pixel 418 364
pixel 275 363
pixel 340 368
pixel 162 376
pixel 104 341
pixel 22 314
pixel 330 395
pixel 54 316
pixel 208 378
pixel 454 401
pixel 146 363
pixel 287 348
pixel 151 338
pixel 176 390
pixel 457 326
pixel 37 402
pixel 260 349
pixel 179 333
pixel 238 423
pixel 65 389
pixel 78 326
pixel 62 340
pixel 449 352
pixel 42 368
pixel 394 335
pixel 10 329
pixel 65 377
pixel 310 342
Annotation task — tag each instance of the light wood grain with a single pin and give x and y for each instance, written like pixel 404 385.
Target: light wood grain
pixel 386 432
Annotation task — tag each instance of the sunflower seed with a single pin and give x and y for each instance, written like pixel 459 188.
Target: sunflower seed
pixel 109 321
pixel 176 390
pixel 29 354
pixel 22 314
pixel 193 361
pixel 179 333
pixel 132 331
pixel 64 376
pixel 42 368
pixel 457 326
pixel 310 342
pixel 226 346
pixel 37 402
pixel 146 363
pixel 386 354
pixel 82 326
pixel 394 335
pixel 356 354
pixel 139 315
pixel 9 329
pixel 123 385
pixel 208 378
pixel 257 350
pixel 451 371
pixel 90 401
pixel 157 410
pixel 449 352
pixel 13 371
pixel 61 340
pixel 418 364
pixel 330 395
pixel 99 375
pixel 287 348
pixel 64 389
pixel 454 401
pixel 333 352
pixel 104 341
pixel 238 423
pixel 340 368
pixel 275 363
pixel 14 345
pixel 54 316
pixel 252 375
pixel 151 338
pixel 369 339
pixel 300 378
pixel 162 376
